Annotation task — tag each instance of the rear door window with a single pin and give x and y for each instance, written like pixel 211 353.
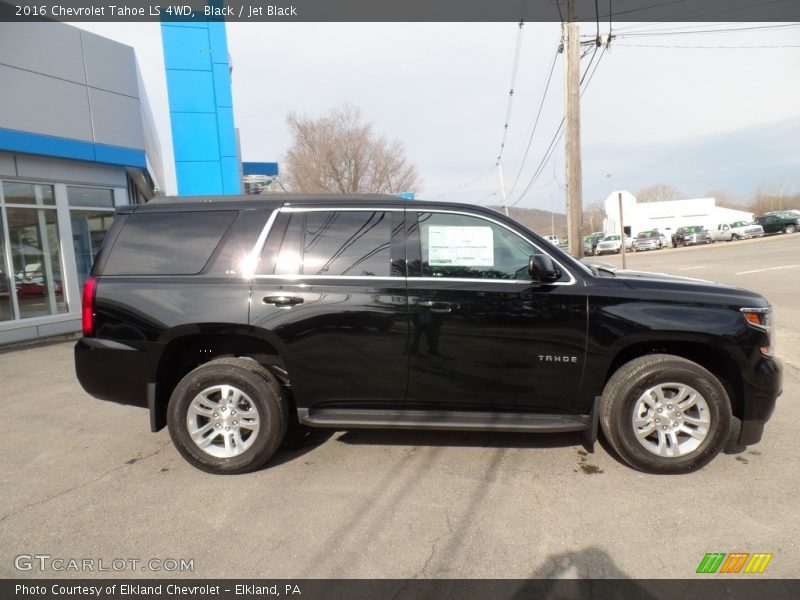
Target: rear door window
pixel 178 243
pixel 331 243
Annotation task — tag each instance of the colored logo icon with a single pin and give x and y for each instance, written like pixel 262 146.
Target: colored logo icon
pixel 735 562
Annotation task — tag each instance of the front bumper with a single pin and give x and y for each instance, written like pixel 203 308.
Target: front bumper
pixel 762 389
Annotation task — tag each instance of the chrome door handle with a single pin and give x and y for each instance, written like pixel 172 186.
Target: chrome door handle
pixel 283 300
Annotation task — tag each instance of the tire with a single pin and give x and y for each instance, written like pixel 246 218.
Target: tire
pixel 790 229
pixel 255 416
pixel 734 238
pixel 699 431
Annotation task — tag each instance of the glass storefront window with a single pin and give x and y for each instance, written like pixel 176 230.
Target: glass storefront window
pixel 6 307
pixel 28 193
pixel 88 230
pixel 34 245
pixel 86 197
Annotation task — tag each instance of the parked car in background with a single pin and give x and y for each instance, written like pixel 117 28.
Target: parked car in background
pixel 739 230
pixel 611 244
pixel 590 243
pixel 689 236
pixel 648 240
pixel 786 221
pixel 553 239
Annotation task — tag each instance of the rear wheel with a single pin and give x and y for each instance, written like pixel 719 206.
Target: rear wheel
pixel 227 416
pixel 665 414
pixel 790 229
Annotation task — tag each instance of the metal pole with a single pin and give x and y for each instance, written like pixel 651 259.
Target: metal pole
pixel 621 232
pixel 572 151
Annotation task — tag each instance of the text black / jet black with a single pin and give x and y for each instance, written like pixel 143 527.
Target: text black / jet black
pixel 227 317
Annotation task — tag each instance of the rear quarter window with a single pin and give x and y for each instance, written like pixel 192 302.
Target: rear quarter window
pixel 178 243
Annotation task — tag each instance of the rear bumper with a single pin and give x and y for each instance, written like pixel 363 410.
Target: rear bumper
pixel 112 371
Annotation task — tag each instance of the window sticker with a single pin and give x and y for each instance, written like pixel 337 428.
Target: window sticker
pixel 455 246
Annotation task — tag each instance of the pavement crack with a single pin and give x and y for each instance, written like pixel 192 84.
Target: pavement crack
pixel 79 486
pixel 424 571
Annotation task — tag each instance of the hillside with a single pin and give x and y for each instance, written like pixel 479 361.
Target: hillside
pixel 538 220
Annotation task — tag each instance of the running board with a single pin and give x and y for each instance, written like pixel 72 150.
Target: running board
pixel 454 420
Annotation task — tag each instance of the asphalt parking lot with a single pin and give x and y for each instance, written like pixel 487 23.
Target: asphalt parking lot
pixel 86 479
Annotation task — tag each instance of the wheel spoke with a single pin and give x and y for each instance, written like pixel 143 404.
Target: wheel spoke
pixel 698 434
pixel 644 432
pixel 674 444
pixel 227 436
pixel 640 422
pixel 203 440
pixel 689 401
pixel 702 422
pixel 198 409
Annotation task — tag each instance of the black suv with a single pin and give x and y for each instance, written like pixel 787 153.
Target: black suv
pixel 233 319
pixel 785 221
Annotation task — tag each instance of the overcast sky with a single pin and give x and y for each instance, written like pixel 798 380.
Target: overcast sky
pixel 695 118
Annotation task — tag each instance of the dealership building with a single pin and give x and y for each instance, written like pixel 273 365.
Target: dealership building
pixel 666 216
pixel 76 140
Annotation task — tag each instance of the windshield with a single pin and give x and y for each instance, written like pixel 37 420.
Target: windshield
pixel 611 238
pixel 694 229
pixel 647 234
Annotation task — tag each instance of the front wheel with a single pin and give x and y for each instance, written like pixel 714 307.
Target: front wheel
pixel 664 414
pixel 227 416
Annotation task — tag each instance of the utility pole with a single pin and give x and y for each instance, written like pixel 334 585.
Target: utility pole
pixel 572 123
pixel 622 233
pixel 503 186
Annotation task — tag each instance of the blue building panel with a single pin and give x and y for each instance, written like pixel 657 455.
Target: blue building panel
pixel 231 183
pixel 222 85
pixel 227 133
pixel 199 178
pixel 260 168
pixel 191 91
pixel 186 47
pixel 201 108
pixel 194 137
pixel 218 42
pixel 117 155
pixel 48 145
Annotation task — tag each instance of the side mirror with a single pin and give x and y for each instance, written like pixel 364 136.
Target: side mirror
pixel 541 268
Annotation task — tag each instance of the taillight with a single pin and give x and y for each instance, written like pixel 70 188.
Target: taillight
pixel 87 304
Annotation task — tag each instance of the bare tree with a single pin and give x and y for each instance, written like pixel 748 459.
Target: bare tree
pixel 725 198
pixel 339 153
pixel 593 216
pixel 773 196
pixel 659 193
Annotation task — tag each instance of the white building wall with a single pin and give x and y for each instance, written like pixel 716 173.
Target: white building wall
pixel 666 216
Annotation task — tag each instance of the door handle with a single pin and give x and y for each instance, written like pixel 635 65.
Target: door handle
pixel 438 307
pixel 283 300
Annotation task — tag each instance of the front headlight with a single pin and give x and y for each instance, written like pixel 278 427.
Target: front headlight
pixel 761 318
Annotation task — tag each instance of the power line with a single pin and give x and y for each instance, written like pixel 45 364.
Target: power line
pixel 535 121
pixel 514 70
pixel 551 148
pixel 470 183
pixel 709 31
pixel 706 47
